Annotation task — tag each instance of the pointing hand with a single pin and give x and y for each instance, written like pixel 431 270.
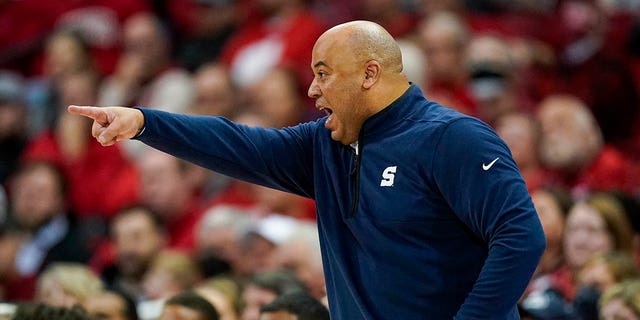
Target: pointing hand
pixel 111 124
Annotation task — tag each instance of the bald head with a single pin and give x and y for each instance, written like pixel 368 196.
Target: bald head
pixel 358 72
pixel 364 41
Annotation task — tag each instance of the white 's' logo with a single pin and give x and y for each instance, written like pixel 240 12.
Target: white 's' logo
pixel 388 175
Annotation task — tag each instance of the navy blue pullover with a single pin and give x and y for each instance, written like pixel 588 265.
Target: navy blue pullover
pixel 429 219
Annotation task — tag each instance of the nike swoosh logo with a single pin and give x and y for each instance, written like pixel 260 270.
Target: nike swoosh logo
pixel 486 167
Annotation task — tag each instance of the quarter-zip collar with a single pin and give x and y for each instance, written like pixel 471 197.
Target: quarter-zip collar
pixel 394 112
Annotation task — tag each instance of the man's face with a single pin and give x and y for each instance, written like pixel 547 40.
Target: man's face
pixel 337 87
pixel 137 242
pixel 255 298
pixel 176 312
pixel 36 196
pixel 278 315
pixel 163 187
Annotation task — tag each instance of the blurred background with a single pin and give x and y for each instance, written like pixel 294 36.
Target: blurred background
pixel 122 229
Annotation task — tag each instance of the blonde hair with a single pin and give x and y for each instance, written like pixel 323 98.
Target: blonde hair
pixel 628 292
pixel 179 265
pixel 615 218
pixel 75 279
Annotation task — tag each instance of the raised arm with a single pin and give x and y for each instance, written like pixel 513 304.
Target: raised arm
pixel 280 159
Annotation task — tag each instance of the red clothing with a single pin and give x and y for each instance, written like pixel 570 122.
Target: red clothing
pixel 182 231
pixel 562 281
pixel 100 182
pixel 100 21
pixel 611 170
pixel 457 97
pixel 297 35
pixel 23 25
pixel 19 289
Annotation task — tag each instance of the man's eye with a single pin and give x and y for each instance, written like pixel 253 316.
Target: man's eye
pixel 321 74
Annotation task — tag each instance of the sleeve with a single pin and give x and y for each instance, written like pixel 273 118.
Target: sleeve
pixel 280 159
pixel 477 176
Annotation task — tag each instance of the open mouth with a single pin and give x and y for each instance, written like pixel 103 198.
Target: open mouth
pixel 326 110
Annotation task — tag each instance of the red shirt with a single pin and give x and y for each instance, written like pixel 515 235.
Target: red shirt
pixel 297 35
pixel 611 170
pixel 100 182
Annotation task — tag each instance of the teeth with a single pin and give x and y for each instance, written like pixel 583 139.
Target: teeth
pixel 326 110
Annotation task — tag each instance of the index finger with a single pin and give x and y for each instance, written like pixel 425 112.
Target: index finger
pixel 94 113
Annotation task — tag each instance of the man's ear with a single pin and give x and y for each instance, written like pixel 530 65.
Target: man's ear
pixel 372 72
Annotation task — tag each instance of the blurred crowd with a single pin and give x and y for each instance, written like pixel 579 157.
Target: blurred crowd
pixel 127 232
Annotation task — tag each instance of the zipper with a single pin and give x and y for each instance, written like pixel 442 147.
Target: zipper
pixel 355 178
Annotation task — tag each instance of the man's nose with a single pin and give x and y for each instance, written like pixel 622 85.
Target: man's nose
pixel 314 91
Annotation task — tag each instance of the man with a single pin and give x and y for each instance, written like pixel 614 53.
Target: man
pixel 572 147
pixel 188 306
pixel 110 305
pixel 421 210
pixel 264 287
pixel 138 237
pixel 294 306
pixel 39 209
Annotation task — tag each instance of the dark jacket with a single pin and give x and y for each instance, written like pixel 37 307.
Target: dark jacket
pixel 430 220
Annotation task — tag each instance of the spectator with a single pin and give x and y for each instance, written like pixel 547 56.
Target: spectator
pixel 281 33
pixel 276 98
pixel 297 305
pixel 223 293
pixel 144 74
pixel 188 306
pixel 390 14
pixel 39 208
pixel 594 69
pixel 552 205
pixel 600 273
pixel 492 77
pixel 65 53
pixel 301 255
pixel 596 225
pixel 41 311
pixel 604 270
pixel 100 23
pixel 263 288
pixel 169 188
pixel 169 274
pixel 262 240
pixel 572 147
pixel 219 235
pixel 214 21
pixel 68 144
pixel 215 93
pixel 621 301
pixel 67 284
pixel 522 134
pixel 109 305
pixel 138 237
pixel 444 37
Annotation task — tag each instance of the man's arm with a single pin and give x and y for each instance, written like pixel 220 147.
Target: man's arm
pixel 280 159
pixel 477 176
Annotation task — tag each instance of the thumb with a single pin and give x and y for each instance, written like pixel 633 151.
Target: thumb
pixel 108 135
pixel 95 113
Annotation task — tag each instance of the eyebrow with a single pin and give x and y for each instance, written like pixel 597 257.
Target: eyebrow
pixel 320 63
